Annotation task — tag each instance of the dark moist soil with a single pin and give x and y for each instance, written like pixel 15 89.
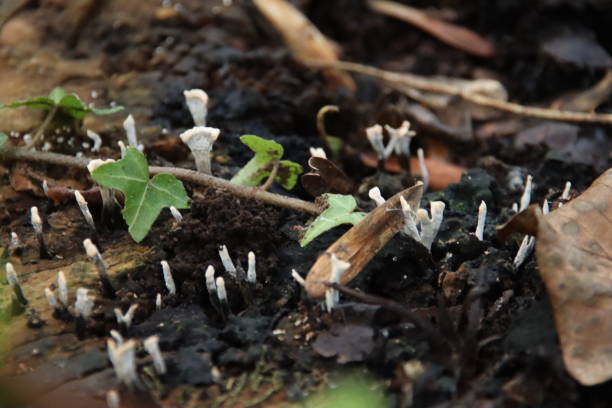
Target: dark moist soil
pixel 494 342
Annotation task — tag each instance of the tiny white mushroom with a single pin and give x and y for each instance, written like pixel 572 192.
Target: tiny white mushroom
pixel 251 273
pixel 399 139
pixel 117 337
pixel 298 278
pixel 545 207
pixel 318 152
pixel 11 277
pixel 122 148
pixel 176 214
pixel 524 250
pixel 51 299
pixel 423 167
pixel 112 399
pixel 221 292
pixel 124 362
pixel 84 209
pixel 227 261
pixel 197 102
pixel 130 130
pixel 127 317
pixel 211 287
pixel 14 240
pixel 430 226
pixel 482 217
pixel 151 344
pixel 338 267
pixel 94 255
pixel 84 303
pixel 45 188
pixel 158 301
pixel 97 140
pixel 62 288
pixel 36 221
pixel 200 140
pixel 565 195
pixel 375 195
pixel 410 227
pixel 526 197
pixel 375 136
pixel 168 279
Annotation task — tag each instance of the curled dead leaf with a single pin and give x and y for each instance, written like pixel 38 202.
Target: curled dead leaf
pixel 326 177
pixel 359 244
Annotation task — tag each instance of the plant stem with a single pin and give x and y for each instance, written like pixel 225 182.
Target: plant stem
pixel 271 177
pixel 40 131
pixel 16 154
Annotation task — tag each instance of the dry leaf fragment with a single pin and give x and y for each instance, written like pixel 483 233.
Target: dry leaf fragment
pixel 303 38
pixel 359 244
pixel 326 177
pixel 451 34
pixel 574 255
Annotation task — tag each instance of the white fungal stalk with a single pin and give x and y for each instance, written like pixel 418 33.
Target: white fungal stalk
pixel 127 317
pixel 200 140
pixel 158 301
pixel 251 273
pixel 105 193
pixel 14 240
pixel 515 207
pixel 45 188
pixel 526 197
pixel 221 292
pixel 399 139
pixel 94 255
pixel 410 224
pixel 36 221
pixel 430 226
pixel 318 152
pixel 11 275
pixel 375 195
pixel 97 140
pixel 211 287
pixel 112 399
pixel 565 195
pixel 123 360
pixel 117 337
pixel 332 296
pixel 62 288
pixel 482 217
pixel 524 250
pixel 84 303
pixel 545 207
pixel 423 167
pixel 228 265
pixel 84 209
pixel 197 102
pixel 130 130
pixel 51 299
pixel 298 278
pixel 168 279
pixel 375 136
pixel 176 214
pixel 122 148
pixel 151 344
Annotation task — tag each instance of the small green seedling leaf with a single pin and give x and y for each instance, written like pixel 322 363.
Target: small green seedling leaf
pixel 267 152
pixel 144 197
pixel 68 103
pixel 3 138
pixel 339 211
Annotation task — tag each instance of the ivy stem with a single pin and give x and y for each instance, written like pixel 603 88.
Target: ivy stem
pixel 271 177
pixel 16 154
pixel 40 131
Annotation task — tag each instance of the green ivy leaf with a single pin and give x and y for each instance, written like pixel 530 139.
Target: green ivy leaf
pixel 339 211
pixel 69 103
pixel 3 138
pixel 260 166
pixel 144 197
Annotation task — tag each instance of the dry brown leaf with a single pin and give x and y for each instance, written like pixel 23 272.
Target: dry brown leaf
pixel 303 38
pixel 359 244
pixel 574 255
pixel 451 34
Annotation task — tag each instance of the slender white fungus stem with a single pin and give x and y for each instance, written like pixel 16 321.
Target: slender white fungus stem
pixel 168 279
pixel 251 273
pixel 62 288
pixel 332 296
pixel 211 287
pixel 124 363
pixel 375 195
pixel 399 139
pixel 84 209
pixel 94 255
pixel 14 240
pixel 515 207
pixel 430 226
pixel 158 301
pixel 117 337
pixel 97 140
pixel 221 292
pixel 105 193
pixel 176 214
pixel 482 217
pixel 318 152
pixel 84 303
pixel 51 299
pixel 151 344
pixel 410 226
pixel 112 399
pixel 122 148
pixel 127 317
pixel 200 140
pixel 227 261
pixel 565 195
pixel 526 197
pixel 423 167
pixel 45 188
pixel 36 221
pixel 11 277
pixel 197 102
pixel 375 136
pixel 545 207
pixel 130 130
pixel 524 250
pixel 298 278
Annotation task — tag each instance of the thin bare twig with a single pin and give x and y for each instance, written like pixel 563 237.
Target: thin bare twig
pixel 432 85
pixel 16 154
pixel 41 129
pixel 271 177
